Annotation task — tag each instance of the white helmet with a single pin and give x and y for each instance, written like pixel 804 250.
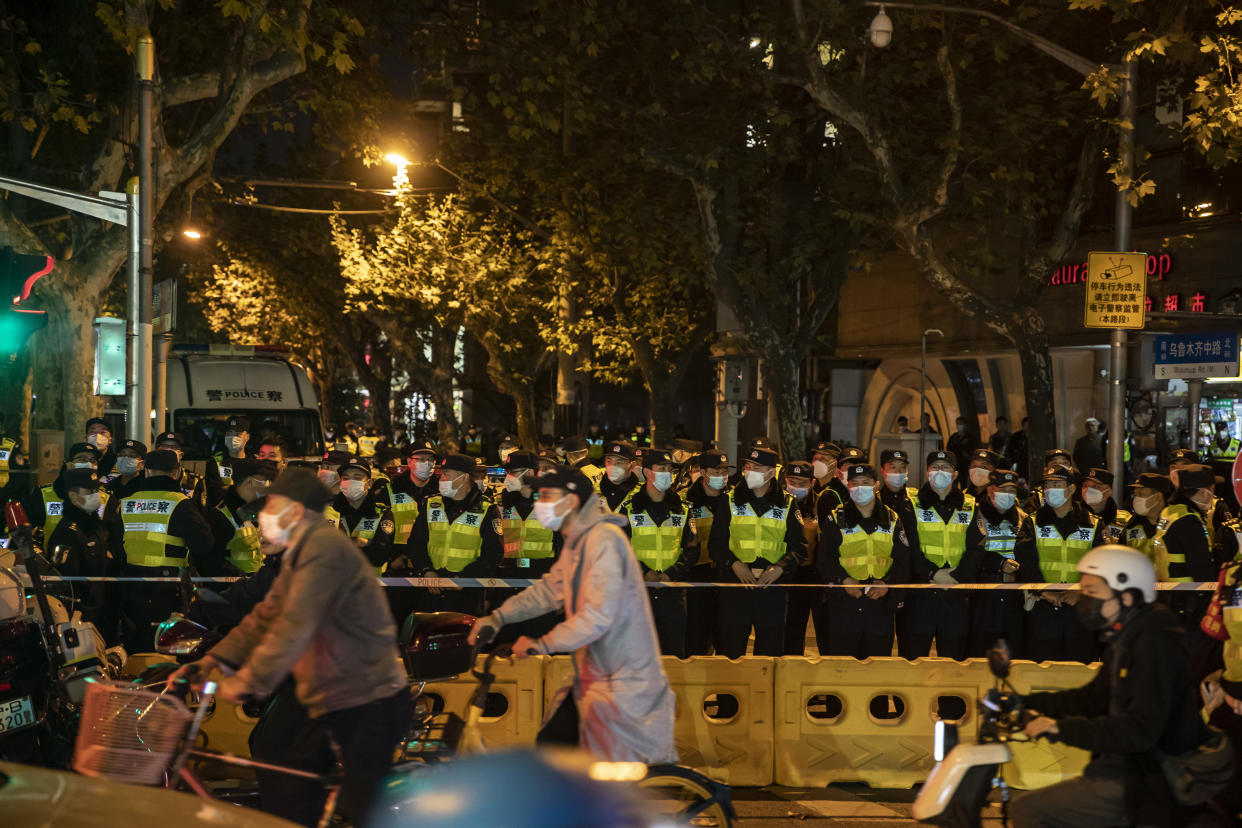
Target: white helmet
pixel 1124 568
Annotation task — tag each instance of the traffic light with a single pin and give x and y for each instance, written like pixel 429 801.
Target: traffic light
pixel 18 274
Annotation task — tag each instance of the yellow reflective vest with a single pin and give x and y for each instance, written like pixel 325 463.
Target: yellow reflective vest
pixel 244 552
pixel 753 536
pixel 1114 531
pixel 7 444
pixel 1136 537
pixel 1059 556
pixel 866 555
pixel 367 446
pixel 703 519
pixel 454 546
pixel 656 545
pixel 404 515
pixel 1167 561
pixel 524 539
pixel 225 468
pixel 1227 454
pixel 944 542
pixel 593 473
pixel 54 508
pixel 147 541
pixel 1231 616
pixel 595 448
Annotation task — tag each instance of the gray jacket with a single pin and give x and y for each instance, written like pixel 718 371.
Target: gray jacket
pixel 326 620
pixel 625 705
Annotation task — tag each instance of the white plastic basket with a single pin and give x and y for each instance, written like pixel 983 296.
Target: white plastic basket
pixel 127 734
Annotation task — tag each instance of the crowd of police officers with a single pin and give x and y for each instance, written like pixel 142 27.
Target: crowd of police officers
pixel 123 508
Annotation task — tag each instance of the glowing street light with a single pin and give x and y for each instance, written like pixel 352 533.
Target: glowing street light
pixel 398 159
pixel 192 233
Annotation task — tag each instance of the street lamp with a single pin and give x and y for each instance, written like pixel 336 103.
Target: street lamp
pixel 882 33
pixel 192 233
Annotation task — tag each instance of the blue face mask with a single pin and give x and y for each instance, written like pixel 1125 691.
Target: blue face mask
pixel 1056 497
pixel 940 480
pixel 862 495
pixel 1003 501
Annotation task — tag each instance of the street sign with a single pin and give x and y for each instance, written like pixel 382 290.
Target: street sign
pixel 1116 290
pixel 1196 355
pixel 164 306
pixel 109 357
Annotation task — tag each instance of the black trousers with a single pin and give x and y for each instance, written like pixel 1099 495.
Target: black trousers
pixel 860 627
pixel 701 612
pixel 740 610
pixel 367 735
pixel 804 605
pixel 997 615
pixel 284 736
pixel 144 606
pixel 1054 634
pixel 933 614
pixel 668 609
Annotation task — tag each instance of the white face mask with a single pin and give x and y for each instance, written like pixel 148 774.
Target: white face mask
pixel 447 489
pixel 617 473
pixel 862 495
pixel 717 481
pixel 82 465
pixel 896 479
pixel 270 528
pixel 1003 501
pixel 1143 505
pixel 980 476
pixel 353 489
pixel 99 440
pixel 842 475
pixel 421 469
pixel 1056 497
pixel 940 480
pixel 90 502
pixel 545 513
pixel 662 481
pixel 127 465
pixel 756 479
pixel 1092 497
pixel 513 483
pixel 328 477
pixel 820 469
pixel 798 491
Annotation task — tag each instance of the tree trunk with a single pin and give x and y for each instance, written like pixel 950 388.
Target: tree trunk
pixel 440 387
pixel 782 376
pixel 1030 337
pixel 64 360
pixel 663 393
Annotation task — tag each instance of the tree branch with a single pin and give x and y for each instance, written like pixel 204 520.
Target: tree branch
pixel 940 198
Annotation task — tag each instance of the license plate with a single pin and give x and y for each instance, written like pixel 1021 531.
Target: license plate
pixel 16 714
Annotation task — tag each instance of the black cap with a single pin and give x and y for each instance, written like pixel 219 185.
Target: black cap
pixel 244 467
pixel 238 422
pixel 1159 482
pixel 762 457
pixel 1102 476
pixel 508 438
pixel 986 455
pixel 1061 473
pixel 87 448
pixel 576 443
pixel 337 458
pixel 618 448
pixel 81 479
pixel 1003 477
pixel 859 470
pixel 456 462
pixel 651 456
pixel 1195 477
pixel 851 456
pixel 712 460
pixel 353 463
pixel 302 464
pixel 549 456
pixel 301 486
pixel 1052 454
pixel 168 437
pixel 947 456
pixel 761 442
pixel 97 421
pixel 826 447
pixel 799 468
pixel 1183 455
pixel 133 445
pixel 421 447
pixel 569 479
pixel 161 460
pixel 889 455
pixel 687 445
pixel 521 460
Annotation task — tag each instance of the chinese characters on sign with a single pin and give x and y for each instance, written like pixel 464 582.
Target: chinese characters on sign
pixel 1196 355
pixel 218 395
pixel 1116 290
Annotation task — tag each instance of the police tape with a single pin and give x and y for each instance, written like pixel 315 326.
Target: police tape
pixel 513 583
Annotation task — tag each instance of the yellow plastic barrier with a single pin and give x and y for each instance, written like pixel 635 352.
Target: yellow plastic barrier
pixel 841 720
pixel 1040 763
pixel 724 714
pixel 519 682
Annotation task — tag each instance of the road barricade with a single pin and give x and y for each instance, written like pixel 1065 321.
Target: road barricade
pixel 842 720
pixel 1040 763
pixel 515 706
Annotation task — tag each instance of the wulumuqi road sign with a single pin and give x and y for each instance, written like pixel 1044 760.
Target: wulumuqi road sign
pixel 1116 290
pixel 1196 355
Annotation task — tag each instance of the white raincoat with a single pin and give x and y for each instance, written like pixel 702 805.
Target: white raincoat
pixel 625 706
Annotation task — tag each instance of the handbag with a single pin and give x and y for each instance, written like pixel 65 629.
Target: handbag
pixel 1201 773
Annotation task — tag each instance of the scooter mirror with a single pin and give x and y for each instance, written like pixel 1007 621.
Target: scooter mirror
pixel 998 659
pixel 179 636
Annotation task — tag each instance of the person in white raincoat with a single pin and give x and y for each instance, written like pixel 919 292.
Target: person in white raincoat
pixel 625 706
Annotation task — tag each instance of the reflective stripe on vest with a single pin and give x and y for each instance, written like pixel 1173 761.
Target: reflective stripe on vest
pixel 367 446
pixel 332 516
pixel 147 542
pixel 1136 538
pixel 1115 530
pixel 865 555
pixel 404 515
pixel 244 552
pixel 53 509
pixel 226 472
pixel 1001 537
pixel 944 543
pixel 703 519
pixel 1228 453
pixel 473 445
pixel 656 545
pixel 1059 557
pixel 595 449
pixel 524 539
pixel 1171 566
pixel 1231 616
pixel 593 473
pixel 754 536
pixel 452 546
pixel 7 445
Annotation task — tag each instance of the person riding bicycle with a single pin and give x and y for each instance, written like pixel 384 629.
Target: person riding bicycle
pixel 625 706
pixel 1142 704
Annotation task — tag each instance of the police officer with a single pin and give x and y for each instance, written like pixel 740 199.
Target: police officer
pixel 472 441
pixel 126 474
pixel 157 532
pixel 1224 449
pixel 1048 549
pixel 943 514
pixel 529 548
pixel 756 538
pixel 220 471
pixel 45 505
pixel 620 480
pixel 420 481
pixel 457 535
pixel 979 473
pixel 1183 544
pixel 7 446
pixel 368 443
pixel 640 438
pixel 595 443
pixel 361 511
pixel 1151 493
pixel 1060 458
pixel 79 547
pixel 1097 494
pixel 548 462
pixel 704 496
pixel 329 471
pixel 507 444
pixel 990 559
pixel 895 493
pixel 234 523
pixel 575 451
pixel 863 546
pixel 192 485
pixel 824 464
pixel 663 536
pixel 838 492
pixel 805 604
pixel 99 435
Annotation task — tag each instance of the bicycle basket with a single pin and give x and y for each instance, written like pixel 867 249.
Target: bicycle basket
pixel 128 735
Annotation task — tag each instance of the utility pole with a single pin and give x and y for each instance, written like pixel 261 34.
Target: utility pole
pixel 1119 341
pixel 139 305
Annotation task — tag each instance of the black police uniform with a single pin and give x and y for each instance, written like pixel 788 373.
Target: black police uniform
pixel 486 565
pixel 616 493
pixel 807 604
pixel 515 567
pixel 668 605
pixel 990 559
pixel 79 548
pixel 701 602
pixel 939 614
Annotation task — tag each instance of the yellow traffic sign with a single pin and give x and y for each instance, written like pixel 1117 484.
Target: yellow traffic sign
pixel 1116 290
